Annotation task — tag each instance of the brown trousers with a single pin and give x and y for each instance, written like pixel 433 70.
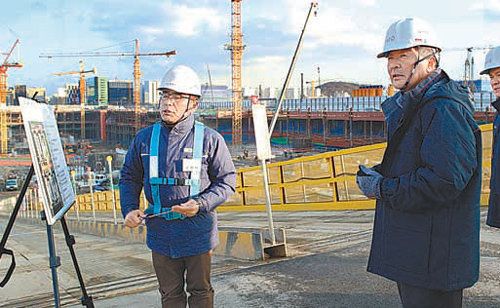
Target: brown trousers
pixel 196 270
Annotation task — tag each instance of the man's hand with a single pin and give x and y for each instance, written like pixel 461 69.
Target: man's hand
pixel 188 209
pixel 368 181
pixel 134 218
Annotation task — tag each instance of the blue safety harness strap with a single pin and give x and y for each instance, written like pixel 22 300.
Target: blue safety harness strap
pixel 153 167
pixel 155 181
pixel 199 133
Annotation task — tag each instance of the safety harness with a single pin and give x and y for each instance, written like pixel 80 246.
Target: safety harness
pixel 193 165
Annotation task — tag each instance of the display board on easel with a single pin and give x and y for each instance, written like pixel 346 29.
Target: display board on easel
pixel 48 158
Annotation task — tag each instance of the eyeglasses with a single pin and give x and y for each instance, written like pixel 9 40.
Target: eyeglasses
pixel 172 96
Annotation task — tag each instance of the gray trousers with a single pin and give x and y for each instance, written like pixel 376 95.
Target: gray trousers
pixel 172 273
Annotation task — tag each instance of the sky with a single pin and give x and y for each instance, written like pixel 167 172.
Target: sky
pixel 342 40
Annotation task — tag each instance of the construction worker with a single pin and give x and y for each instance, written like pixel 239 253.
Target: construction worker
pixel 426 228
pixel 186 171
pixel 492 68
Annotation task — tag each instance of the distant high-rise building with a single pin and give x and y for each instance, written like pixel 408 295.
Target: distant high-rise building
pixel 290 93
pixel 120 92
pixel 72 94
pixel 10 96
pixel 20 91
pixel 215 93
pixel 270 92
pixel 97 91
pixel 149 92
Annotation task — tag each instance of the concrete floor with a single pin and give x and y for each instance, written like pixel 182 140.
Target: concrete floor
pixel 326 268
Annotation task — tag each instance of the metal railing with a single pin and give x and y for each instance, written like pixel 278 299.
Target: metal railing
pixel 313 183
pixel 482 102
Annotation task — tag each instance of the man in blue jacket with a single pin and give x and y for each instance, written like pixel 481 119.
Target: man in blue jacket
pixel 426 228
pixel 492 68
pixel 186 171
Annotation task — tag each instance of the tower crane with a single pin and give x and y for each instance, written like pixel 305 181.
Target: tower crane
pixel 236 47
pixel 3 96
pixel 137 69
pixel 81 86
pixel 469 62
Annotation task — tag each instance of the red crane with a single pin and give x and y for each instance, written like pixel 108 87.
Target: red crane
pixel 3 97
pixel 3 73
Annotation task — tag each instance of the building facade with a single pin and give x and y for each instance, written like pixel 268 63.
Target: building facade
pixel 120 93
pixel 96 91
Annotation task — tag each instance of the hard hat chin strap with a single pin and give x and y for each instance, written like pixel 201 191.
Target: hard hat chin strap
pixel 434 53
pixel 184 116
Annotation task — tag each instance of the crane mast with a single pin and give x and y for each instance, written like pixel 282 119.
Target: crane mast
pixel 3 97
pixel 236 47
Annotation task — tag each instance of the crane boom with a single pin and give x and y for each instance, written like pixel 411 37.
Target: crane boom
pixel 9 53
pixel 75 72
pixel 137 69
pixel 107 54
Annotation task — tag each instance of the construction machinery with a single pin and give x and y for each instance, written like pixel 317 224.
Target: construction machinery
pixel 3 96
pixel 81 86
pixel 137 69
pixel 236 47
pixel 468 64
pixel 312 8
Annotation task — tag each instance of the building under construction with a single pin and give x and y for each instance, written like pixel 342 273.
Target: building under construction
pixel 327 123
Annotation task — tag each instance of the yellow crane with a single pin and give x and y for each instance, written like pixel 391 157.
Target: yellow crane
pixel 236 47
pixel 81 86
pixel 137 69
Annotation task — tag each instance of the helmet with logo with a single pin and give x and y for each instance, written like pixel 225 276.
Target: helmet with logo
pixel 181 79
pixel 408 33
pixel 492 60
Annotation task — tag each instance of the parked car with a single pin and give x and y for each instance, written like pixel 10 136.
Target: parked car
pixel 11 184
pixel 102 185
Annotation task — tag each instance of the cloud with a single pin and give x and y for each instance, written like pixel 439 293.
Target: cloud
pixel 265 60
pixel 490 9
pixel 367 3
pixel 191 21
pixel 334 26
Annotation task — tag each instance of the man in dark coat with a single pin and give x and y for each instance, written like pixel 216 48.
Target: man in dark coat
pixel 492 68
pixel 426 228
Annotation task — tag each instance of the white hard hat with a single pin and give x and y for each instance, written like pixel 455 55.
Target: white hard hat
pixel 181 79
pixel 408 33
pixel 492 60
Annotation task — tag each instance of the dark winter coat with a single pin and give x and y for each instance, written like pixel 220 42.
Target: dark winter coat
pixel 494 204
pixel 426 229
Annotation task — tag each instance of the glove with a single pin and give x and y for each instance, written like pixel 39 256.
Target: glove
pixel 368 181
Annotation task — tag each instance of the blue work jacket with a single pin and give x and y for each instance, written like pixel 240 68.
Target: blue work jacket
pixel 494 202
pixel 426 228
pixel 192 235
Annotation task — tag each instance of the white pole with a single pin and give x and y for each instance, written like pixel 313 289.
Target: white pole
pixel 92 194
pixel 31 203
pixel 73 173
pixel 109 159
pixel 268 202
